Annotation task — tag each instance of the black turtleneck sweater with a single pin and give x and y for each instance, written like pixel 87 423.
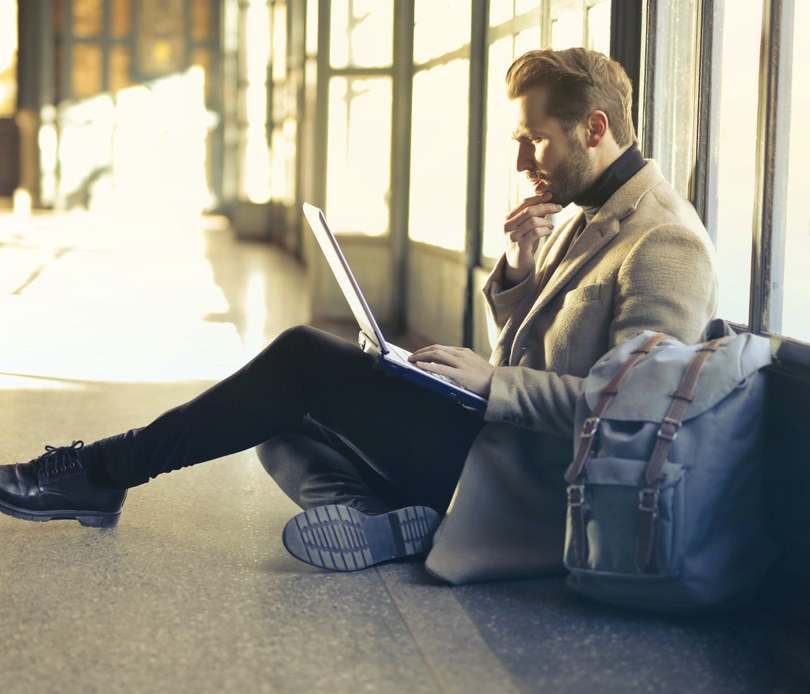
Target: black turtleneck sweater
pixel 612 178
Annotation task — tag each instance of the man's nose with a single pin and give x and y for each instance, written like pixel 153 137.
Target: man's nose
pixel 525 157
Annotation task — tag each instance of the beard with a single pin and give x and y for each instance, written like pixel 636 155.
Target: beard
pixel 572 176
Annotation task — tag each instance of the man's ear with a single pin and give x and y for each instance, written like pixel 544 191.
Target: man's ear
pixel 596 128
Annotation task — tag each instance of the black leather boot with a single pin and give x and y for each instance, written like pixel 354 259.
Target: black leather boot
pixel 341 538
pixel 55 486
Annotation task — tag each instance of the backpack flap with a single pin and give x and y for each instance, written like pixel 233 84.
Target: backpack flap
pixel 660 372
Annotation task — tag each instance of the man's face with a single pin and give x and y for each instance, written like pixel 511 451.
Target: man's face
pixel 553 160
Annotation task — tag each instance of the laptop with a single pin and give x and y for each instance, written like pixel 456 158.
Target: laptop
pixel 390 357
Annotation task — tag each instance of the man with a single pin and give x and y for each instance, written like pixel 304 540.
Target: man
pixel 374 459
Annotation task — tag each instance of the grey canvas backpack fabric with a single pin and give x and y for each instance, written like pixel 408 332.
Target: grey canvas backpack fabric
pixel 665 493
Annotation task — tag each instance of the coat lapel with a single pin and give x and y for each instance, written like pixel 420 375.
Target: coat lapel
pixel 560 264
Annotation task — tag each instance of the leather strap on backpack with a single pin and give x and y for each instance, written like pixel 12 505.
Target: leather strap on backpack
pixel 667 431
pixel 575 472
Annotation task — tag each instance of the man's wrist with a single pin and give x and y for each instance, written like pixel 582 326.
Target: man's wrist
pixel 511 277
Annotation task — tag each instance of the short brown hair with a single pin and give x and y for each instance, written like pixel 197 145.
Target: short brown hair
pixel 579 81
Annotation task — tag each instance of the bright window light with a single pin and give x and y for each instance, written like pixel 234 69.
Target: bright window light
pixel 440 27
pixel 438 197
pixel 361 33
pixel 359 155
pixel 566 30
pixel 795 311
pixel 736 156
pixel 8 57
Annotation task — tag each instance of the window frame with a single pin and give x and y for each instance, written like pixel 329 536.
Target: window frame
pixel 773 123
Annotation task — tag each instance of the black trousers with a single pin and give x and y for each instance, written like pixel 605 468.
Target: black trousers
pixel 330 426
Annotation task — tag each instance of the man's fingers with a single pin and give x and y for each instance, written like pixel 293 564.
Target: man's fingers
pixel 529 234
pixel 439 354
pixel 532 207
pixel 528 202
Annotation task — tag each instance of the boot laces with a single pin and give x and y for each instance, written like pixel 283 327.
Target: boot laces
pixel 59 459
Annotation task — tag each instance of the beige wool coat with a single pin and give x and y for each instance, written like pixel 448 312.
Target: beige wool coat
pixel 644 262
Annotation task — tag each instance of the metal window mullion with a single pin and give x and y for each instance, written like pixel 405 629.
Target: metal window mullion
pixel 475 156
pixel 323 76
pixel 710 48
pixel 647 109
pixel 767 255
pixel 402 91
pixel 625 44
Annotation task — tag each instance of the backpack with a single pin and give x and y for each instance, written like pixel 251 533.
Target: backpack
pixel 665 492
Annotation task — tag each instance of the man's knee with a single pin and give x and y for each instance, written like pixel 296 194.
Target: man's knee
pixel 275 454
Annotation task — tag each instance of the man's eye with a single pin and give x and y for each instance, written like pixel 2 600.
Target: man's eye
pixel 537 140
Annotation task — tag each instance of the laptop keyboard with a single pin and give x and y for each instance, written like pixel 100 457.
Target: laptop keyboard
pixel 404 353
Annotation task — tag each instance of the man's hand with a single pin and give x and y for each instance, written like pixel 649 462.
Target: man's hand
pixel 460 364
pixel 524 227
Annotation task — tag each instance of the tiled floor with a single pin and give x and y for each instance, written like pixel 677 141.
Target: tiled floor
pixel 103 325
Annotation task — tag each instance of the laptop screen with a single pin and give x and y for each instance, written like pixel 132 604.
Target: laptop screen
pixel 344 276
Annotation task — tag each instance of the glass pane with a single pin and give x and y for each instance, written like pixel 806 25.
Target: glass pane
pixel 255 165
pixel 121 20
pixel 675 94
pixel 566 29
pixel 440 27
pixel 599 27
pixel 499 180
pixel 279 42
pixel 256 42
pixel 253 148
pixel 528 40
pixel 523 6
pixel 500 11
pixel 88 17
pixel 201 19
pixel 120 67
pixel 358 171
pixel 87 73
pixel 312 27
pixel 736 156
pixel 202 58
pixel 282 173
pixel 438 200
pixel 362 33
pixel 796 306
pixel 8 58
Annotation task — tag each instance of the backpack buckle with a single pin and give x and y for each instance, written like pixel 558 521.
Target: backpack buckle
pixel 669 429
pixel 589 427
pixel 576 495
pixel 648 501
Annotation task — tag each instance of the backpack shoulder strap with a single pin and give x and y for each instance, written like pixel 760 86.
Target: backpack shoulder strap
pixel 575 471
pixel 667 431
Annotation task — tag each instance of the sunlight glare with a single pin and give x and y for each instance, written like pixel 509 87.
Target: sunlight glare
pixel 8 57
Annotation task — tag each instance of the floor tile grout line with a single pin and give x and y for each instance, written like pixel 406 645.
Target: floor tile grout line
pixel 491 655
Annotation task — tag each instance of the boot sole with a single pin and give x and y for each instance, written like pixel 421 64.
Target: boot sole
pixel 92 519
pixel 340 538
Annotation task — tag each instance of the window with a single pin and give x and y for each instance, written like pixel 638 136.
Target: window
pixel 736 152
pixel 358 170
pixel 795 282
pixel 439 125
pixel 361 33
pixel 8 58
pixel 283 122
pixel 674 92
pixel 736 78
pixel 253 155
pixel 359 155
